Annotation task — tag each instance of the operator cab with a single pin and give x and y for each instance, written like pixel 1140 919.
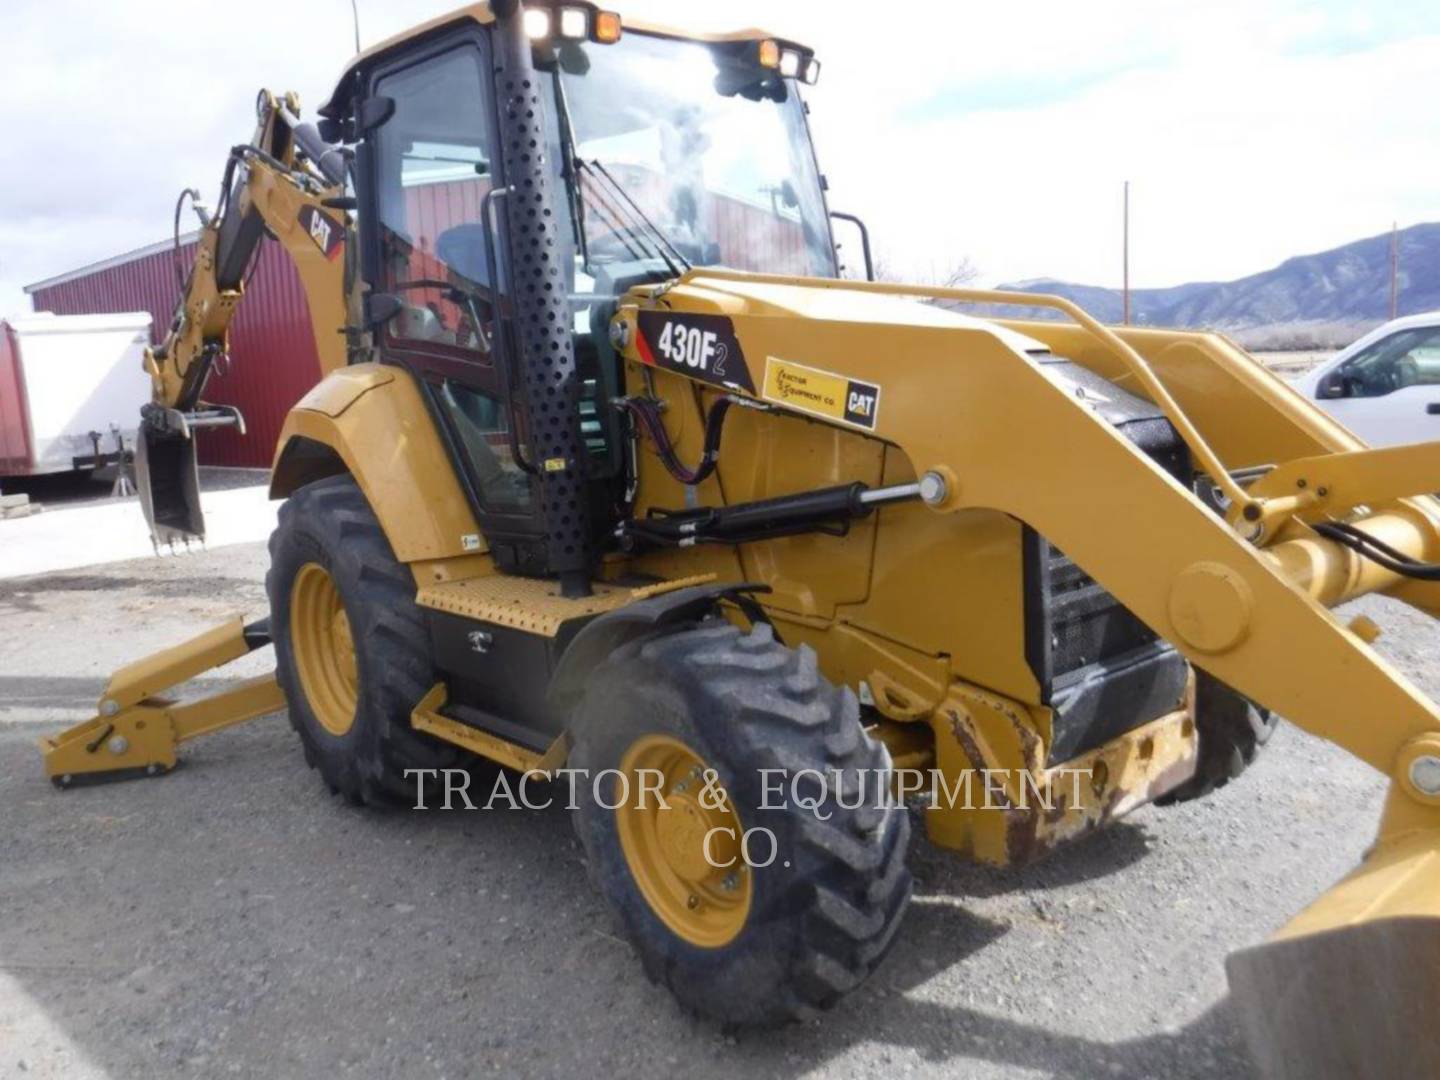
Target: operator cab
pixel 662 153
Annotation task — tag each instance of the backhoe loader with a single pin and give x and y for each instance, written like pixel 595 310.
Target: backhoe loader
pixel 611 473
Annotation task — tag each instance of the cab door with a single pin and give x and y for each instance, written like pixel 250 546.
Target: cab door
pixel 432 256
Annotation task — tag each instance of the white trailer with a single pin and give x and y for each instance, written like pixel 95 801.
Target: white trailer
pixel 71 387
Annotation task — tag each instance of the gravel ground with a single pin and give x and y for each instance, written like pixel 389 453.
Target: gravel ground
pixel 235 919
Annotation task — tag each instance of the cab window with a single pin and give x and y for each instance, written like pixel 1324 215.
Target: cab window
pixel 1408 358
pixel 434 167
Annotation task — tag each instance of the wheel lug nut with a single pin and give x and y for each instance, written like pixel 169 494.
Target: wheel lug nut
pixel 693 902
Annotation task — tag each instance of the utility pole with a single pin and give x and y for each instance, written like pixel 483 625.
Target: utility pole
pixel 1394 270
pixel 1125 244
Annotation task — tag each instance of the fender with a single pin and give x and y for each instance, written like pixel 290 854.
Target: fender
pixel 370 420
pixel 605 634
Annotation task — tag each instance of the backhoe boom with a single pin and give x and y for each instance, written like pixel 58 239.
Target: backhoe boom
pixel 282 183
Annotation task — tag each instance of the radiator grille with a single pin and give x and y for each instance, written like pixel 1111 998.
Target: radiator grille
pixel 1100 668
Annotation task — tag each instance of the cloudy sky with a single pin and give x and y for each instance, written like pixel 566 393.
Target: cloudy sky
pixel 1251 129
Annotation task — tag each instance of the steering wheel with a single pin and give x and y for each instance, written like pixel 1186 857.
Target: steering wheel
pixel 478 299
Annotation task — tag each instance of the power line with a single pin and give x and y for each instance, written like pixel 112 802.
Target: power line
pixel 1394 270
pixel 1125 257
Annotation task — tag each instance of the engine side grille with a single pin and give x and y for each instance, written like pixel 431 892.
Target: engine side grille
pixel 1087 624
pixel 1100 668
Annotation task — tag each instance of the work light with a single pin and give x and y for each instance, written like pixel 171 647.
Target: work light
pixel 607 27
pixel 574 23
pixel 790 62
pixel 537 24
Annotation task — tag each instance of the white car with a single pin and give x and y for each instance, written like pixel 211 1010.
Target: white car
pixel 1385 387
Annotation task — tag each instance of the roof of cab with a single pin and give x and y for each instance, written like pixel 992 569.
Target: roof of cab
pixel 481 13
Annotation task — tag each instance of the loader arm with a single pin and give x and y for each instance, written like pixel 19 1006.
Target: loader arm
pixel 1217 589
pixel 285 182
pixel 1244 596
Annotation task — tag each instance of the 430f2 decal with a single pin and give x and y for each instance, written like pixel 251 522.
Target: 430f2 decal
pixel 700 346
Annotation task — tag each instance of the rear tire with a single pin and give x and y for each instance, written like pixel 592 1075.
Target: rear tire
pixel 1231 730
pixel 329 559
pixel 809 927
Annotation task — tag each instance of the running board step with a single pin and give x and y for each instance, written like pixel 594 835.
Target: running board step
pixel 429 718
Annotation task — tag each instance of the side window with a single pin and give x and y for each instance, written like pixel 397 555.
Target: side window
pixel 1404 359
pixel 434 167
pixel 482 424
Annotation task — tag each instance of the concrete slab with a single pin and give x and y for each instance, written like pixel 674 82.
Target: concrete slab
pixel 109 531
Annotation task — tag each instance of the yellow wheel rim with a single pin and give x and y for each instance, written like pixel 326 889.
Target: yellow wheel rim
pixel 703 896
pixel 324 649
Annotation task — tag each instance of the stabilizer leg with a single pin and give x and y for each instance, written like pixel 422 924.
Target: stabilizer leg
pixel 137 731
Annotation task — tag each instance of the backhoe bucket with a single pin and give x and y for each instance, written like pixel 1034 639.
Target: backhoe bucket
pixel 168 478
pixel 1351 987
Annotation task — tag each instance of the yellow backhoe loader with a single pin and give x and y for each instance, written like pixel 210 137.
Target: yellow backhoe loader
pixel 611 474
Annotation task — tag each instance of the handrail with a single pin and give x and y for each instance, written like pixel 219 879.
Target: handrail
pixel 1209 461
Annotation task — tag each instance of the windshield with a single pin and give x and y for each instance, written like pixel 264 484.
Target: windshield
pixel 726 179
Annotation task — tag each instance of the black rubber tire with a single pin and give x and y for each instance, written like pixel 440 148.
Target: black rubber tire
pixel 329 522
pixel 745 703
pixel 1231 731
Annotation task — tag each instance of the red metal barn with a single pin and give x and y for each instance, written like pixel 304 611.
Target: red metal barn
pixel 272 350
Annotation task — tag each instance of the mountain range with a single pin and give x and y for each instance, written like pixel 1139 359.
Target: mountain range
pixel 1345 285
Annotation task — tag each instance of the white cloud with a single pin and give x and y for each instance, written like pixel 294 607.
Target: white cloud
pixel 1001 132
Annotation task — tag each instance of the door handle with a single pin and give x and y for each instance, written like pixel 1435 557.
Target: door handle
pixel 1433 409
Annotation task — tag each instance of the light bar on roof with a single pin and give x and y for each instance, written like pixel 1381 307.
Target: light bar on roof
pixel 572 22
pixel 790 61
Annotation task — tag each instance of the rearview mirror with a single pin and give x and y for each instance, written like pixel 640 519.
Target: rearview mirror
pixel 380 308
pixel 1333 386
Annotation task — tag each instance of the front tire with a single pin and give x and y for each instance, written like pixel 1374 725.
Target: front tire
pixel 1231 730
pixel 755 945
pixel 351 647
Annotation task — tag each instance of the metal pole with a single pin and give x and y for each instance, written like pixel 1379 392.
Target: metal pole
pixel 1126 254
pixel 1394 270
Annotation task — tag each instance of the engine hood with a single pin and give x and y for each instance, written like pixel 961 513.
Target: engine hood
pixel 819 298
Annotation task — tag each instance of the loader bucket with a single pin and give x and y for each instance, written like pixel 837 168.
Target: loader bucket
pixel 169 482
pixel 1351 987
